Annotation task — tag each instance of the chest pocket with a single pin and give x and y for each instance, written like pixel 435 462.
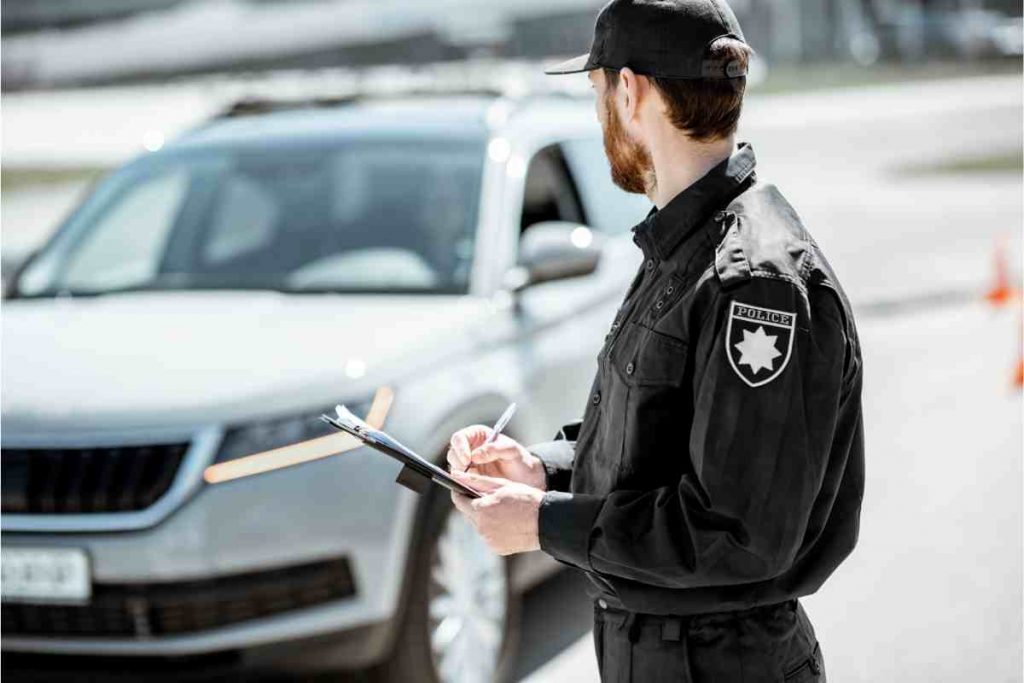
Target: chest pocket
pixel 657 359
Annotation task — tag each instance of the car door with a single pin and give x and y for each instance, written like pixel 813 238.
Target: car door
pixel 563 322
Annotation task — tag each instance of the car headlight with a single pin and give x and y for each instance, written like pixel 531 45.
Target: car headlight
pixel 266 435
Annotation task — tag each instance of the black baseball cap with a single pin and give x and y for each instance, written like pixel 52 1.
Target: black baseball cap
pixel 661 38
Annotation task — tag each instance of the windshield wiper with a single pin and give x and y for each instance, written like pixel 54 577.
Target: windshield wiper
pixel 65 293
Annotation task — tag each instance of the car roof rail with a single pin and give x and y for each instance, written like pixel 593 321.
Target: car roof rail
pixel 255 105
pixel 252 106
pixel 515 82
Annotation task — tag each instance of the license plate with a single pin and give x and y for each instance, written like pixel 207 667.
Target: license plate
pixel 45 575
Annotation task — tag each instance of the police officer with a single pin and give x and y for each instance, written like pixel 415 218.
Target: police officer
pixel 716 475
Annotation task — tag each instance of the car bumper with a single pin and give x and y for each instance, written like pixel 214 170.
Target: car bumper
pixel 355 648
pixel 300 553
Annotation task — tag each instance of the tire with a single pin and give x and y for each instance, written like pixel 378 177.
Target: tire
pixel 445 538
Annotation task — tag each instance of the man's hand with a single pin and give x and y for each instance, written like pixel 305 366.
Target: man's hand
pixel 504 457
pixel 506 517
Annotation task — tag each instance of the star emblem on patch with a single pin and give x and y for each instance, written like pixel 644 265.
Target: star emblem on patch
pixel 759 342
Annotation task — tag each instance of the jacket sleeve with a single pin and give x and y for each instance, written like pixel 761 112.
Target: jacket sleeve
pixel 557 456
pixel 758 453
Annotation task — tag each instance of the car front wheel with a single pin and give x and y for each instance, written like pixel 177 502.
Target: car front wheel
pixel 461 620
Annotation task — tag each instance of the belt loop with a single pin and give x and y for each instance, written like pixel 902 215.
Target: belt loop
pixel 671 629
pixel 632 624
pixel 618 619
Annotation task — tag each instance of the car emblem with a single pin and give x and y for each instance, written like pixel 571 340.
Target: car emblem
pixel 759 342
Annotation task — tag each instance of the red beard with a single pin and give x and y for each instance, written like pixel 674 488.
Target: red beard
pixel 632 169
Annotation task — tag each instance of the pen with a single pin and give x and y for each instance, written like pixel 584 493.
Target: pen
pixel 498 426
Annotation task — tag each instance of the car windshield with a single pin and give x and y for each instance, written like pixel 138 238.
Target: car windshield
pixel 361 216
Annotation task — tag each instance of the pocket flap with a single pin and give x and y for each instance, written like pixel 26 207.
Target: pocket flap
pixel 659 359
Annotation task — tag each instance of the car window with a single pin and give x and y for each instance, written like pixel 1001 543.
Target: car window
pixel 359 215
pixel 607 208
pixel 121 254
pixel 549 193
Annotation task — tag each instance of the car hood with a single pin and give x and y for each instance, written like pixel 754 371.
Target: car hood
pixel 146 359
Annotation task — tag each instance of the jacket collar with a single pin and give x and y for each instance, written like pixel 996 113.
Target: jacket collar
pixel 662 231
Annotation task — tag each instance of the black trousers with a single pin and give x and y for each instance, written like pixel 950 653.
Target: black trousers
pixel 770 644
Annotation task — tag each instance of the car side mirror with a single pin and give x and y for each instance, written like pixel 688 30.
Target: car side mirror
pixel 554 250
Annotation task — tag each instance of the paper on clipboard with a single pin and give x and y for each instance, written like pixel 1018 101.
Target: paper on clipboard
pixel 417 472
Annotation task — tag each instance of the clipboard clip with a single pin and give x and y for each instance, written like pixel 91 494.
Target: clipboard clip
pixel 416 473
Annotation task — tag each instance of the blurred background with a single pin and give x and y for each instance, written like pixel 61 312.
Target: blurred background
pixel 356 180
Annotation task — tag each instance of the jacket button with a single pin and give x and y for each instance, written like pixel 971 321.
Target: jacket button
pixel 670 289
pixel 602 604
pixel 596 398
pixel 650 263
pixel 629 368
pixel 659 304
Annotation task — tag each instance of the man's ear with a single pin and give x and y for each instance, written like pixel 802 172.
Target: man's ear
pixel 633 90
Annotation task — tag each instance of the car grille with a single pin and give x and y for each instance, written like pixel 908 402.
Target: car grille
pixel 87 480
pixel 156 609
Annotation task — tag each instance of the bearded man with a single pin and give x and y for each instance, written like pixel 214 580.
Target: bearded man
pixel 717 472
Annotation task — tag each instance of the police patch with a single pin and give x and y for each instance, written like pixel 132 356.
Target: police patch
pixel 759 342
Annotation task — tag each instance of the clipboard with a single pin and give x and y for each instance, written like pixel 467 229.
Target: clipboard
pixel 417 472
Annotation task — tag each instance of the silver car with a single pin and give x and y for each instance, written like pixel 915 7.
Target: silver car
pixel 208 301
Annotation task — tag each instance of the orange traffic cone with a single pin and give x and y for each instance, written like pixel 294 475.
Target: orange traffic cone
pixel 1002 289
pixel 1018 376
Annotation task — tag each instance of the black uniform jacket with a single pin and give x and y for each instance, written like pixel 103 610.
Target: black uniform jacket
pixel 719 463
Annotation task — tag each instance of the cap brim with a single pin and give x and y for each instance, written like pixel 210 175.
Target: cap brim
pixel 572 66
